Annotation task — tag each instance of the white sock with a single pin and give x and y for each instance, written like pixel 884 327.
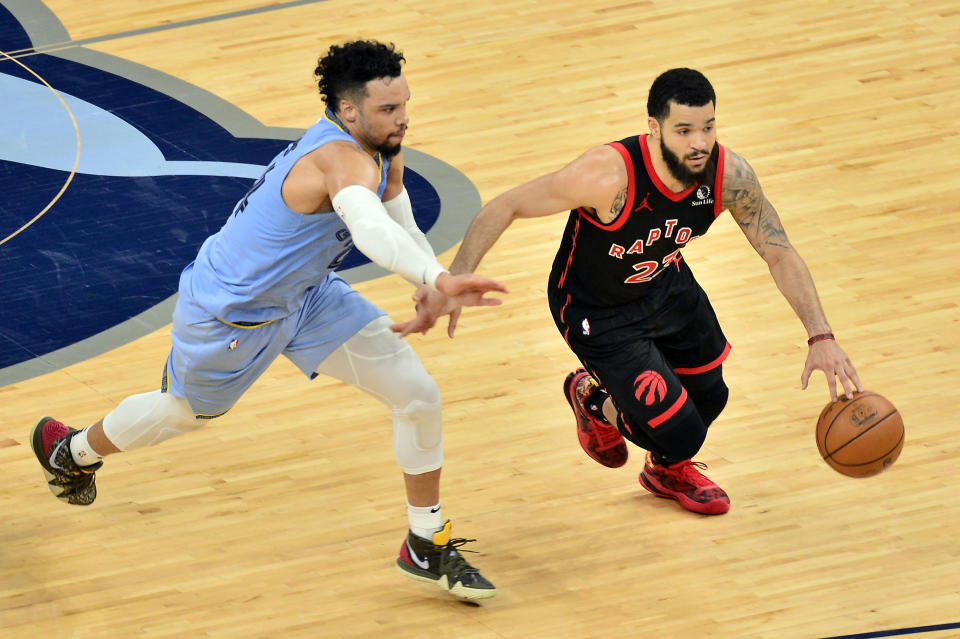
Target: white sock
pixel 424 520
pixel 83 453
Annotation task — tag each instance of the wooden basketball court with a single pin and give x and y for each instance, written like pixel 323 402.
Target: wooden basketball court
pixel 283 518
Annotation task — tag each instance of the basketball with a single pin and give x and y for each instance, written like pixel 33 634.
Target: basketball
pixel 862 436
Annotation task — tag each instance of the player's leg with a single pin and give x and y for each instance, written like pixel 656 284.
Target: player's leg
pixel 375 360
pixel 592 410
pixel 656 412
pixel 708 392
pixel 596 417
pixel 695 353
pixel 211 363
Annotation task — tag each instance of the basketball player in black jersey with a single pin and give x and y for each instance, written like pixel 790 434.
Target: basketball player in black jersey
pixel 627 303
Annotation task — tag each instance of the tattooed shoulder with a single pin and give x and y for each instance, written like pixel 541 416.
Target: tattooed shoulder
pixel 619 201
pixel 744 197
pixel 741 192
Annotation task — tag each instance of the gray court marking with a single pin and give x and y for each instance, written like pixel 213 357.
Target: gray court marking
pixel 459 199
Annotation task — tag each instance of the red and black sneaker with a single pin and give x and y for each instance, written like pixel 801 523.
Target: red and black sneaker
pixel 440 562
pixel 684 482
pixel 600 440
pixel 67 480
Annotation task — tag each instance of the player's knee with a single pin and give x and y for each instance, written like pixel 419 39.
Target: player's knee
pixel 149 418
pixel 681 436
pixel 708 392
pixel 399 379
pixel 711 402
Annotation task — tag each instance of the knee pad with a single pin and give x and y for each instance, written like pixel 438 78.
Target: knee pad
pixel 418 437
pixel 149 418
pixel 375 360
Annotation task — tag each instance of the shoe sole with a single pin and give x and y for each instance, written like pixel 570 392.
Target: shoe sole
pixel 36 442
pixel 688 504
pixel 458 590
pixel 567 394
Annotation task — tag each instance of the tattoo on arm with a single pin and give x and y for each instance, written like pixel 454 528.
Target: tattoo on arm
pixel 618 203
pixel 750 208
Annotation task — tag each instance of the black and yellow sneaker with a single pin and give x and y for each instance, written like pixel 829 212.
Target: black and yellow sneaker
pixel 67 480
pixel 439 561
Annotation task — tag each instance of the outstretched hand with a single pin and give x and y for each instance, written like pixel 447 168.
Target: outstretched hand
pixel 452 292
pixel 828 357
pixel 469 289
pixel 430 305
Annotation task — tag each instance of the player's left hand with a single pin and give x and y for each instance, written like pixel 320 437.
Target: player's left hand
pixel 469 289
pixel 827 356
pixel 430 306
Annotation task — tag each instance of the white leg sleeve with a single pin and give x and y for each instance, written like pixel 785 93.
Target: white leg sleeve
pixel 375 360
pixel 148 419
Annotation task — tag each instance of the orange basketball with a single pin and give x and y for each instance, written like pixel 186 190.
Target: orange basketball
pixel 860 437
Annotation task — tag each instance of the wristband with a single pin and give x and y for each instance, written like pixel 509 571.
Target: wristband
pixel 819 338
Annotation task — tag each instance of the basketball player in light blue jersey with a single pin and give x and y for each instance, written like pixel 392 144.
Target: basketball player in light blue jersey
pixel 264 285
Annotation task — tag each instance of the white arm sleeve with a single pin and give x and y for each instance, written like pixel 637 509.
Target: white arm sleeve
pixel 381 239
pixel 400 209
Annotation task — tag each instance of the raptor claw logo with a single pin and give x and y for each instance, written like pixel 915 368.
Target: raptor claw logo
pixel 651 388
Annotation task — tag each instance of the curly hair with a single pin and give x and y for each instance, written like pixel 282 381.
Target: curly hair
pixel 343 72
pixel 684 86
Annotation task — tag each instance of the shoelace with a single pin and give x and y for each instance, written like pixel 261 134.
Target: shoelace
pixel 452 557
pixel 690 472
pixel 607 437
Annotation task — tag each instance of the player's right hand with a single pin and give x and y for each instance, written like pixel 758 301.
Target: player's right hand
pixel 430 305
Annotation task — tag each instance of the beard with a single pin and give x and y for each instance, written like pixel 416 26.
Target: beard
pixel 680 171
pixel 388 150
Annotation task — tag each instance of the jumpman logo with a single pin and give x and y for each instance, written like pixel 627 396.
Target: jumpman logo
pixel 644 204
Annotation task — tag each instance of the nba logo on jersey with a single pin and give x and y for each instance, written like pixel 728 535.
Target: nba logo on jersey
pixel 233 345
pixel 586 326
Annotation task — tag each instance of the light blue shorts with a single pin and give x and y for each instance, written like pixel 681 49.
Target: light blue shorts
pixel 212 362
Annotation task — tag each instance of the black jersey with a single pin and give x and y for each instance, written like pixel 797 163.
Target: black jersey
pixel 603 265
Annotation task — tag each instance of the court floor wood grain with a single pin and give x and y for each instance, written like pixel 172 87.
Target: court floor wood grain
pixel 283 518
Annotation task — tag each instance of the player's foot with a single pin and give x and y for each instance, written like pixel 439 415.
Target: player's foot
pixel 600 440
pixel 68 481
pixel 440 562
pixel 684 482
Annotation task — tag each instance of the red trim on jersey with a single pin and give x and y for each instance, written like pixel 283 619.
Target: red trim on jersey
pixel 657 182
pixel 718 184
pixel 706 367
pixel 573 246
pixel 670 412
pixel 566 332
pixel 631 189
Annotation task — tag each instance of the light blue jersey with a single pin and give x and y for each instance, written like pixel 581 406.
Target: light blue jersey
pixel 259 265
pixel 264 286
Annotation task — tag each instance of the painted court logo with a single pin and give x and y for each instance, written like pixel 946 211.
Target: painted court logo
pixel 113 175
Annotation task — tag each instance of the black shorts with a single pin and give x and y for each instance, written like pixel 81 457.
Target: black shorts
pixel 642 351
